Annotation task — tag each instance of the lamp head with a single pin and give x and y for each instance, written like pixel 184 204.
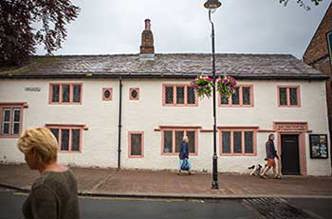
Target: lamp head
pixel 212 4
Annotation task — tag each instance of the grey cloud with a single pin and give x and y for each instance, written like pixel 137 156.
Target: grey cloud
pixel 242 26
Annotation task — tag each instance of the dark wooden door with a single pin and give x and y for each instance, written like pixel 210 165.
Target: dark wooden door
pixel 290 155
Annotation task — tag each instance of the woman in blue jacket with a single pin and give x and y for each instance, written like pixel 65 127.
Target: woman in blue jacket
pixel 184 155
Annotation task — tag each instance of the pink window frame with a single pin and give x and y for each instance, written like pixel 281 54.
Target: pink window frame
pixel 173 140
pixel 242 130
pixel 129 144
pixel 230 104
pixel 298 94
pixel 138 93
pixel 70 127
pixel 71 93
pixel 174 95
pixel 111 91
pixel 11 107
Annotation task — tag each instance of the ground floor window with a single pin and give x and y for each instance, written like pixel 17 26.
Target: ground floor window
pixel 135 145
pixel 238 141
pixel 171 140
pixel 69 137
pixel 11 119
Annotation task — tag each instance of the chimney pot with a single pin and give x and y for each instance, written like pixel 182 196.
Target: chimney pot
pixel 147 47
pixel 147 24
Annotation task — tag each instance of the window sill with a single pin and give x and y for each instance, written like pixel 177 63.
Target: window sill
pixel 239 155
pixel 9 136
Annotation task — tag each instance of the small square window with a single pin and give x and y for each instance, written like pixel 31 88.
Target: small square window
pixel 107 94
pixel 135 144
pixel 134 93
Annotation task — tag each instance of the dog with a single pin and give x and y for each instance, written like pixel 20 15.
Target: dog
pixel 255 170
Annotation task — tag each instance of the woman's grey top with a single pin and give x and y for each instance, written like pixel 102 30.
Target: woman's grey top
pixel 53 196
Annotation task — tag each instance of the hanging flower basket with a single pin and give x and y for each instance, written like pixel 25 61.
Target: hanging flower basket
pixel 226 85
pixel 204 84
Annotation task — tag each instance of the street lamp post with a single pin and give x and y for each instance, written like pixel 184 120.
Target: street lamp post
pixel 212 5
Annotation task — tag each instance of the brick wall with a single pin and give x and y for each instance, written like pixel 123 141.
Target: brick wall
pixel 318 47
pixel 317 55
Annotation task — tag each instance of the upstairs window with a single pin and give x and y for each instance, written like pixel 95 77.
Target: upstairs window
pixel 134 93
pixel 63 93
pixel 11 120
pixel 242 97
pixel 288 96
pixel 107 94
pixel 179 95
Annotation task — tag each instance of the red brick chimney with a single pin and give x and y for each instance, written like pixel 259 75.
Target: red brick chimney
pixel 147 48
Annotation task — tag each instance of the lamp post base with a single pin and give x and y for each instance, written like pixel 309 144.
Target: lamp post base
pixel 215 184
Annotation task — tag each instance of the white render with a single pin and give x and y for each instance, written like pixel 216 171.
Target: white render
pixel 100 140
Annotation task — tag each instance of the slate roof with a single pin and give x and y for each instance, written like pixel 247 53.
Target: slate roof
pixel 241 66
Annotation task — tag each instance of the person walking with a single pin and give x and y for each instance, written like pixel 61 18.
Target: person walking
pixel 184 155
pixel 54 194
pixel 271 155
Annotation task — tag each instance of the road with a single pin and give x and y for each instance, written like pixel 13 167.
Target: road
pixel 110 208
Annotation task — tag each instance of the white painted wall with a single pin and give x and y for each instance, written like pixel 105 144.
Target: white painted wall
pixel 100 140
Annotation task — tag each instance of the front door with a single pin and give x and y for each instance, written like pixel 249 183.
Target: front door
pixel 290 155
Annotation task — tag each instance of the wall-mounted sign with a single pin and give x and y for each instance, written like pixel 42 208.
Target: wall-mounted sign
pixel 318 146
pixel 32 89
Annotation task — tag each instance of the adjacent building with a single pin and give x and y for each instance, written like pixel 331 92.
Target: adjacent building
pixel 131 111
pixel 319 55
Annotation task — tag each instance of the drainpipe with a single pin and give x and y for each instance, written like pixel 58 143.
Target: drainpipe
pixel 120 123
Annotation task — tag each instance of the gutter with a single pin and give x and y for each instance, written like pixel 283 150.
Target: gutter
pixel 316 77
pixel 120 123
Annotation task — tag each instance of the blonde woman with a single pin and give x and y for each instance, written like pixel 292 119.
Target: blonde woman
pixel 54 194
pixel 184 155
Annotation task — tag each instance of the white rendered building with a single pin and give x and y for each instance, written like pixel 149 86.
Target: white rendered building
pixel 131 111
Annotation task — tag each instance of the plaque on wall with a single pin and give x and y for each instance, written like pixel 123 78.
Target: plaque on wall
pixel 318 146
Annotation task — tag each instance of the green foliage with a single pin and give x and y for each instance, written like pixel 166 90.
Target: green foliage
pixel 302 3
pixel 18 38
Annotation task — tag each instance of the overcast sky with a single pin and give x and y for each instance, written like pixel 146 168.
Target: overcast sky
pixel 181 26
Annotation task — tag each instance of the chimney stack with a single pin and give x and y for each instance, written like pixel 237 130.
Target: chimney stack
pixel 147 48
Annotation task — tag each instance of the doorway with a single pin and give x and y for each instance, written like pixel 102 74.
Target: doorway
pixel 290 159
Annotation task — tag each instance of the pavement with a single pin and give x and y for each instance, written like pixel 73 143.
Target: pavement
pixel 168 184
